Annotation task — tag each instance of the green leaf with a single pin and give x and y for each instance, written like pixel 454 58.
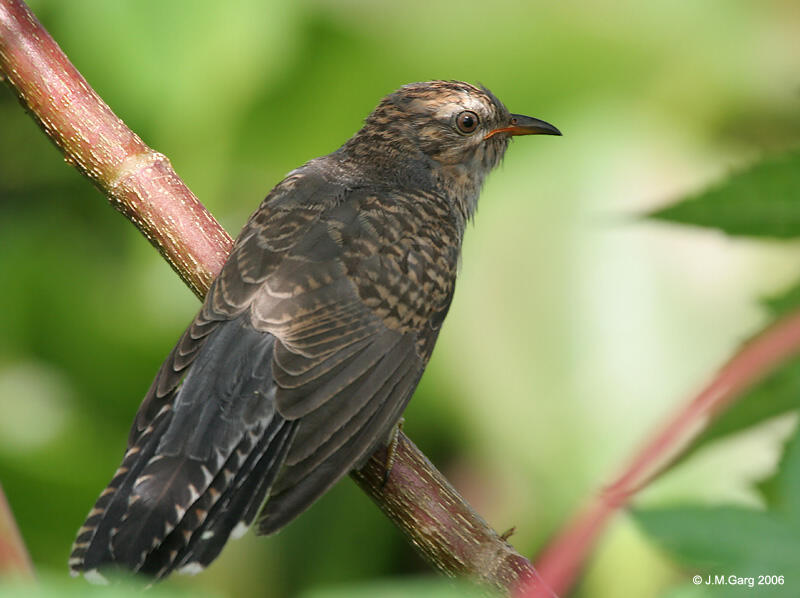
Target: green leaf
pixel 722 537
pixel 738 541
pixel 785 303
pixel 783 488
pixel 687 591
pixel 49 585
pixel 761 201
pixel 779 393
pixel 728 541
pixel 400 588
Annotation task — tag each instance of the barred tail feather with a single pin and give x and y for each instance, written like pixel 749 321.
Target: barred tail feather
pixel 206 526
pixel 91 548
pixel 235 512
pixel 206 438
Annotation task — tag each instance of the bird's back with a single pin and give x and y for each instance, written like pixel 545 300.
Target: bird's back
pixel 302 358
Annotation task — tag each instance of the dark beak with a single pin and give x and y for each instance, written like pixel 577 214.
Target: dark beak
pixel 526 125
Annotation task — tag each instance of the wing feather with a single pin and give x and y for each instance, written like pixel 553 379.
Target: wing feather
pixel 302 358
pixel 304 482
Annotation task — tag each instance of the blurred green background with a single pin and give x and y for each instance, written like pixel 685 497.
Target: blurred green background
pixel 576 328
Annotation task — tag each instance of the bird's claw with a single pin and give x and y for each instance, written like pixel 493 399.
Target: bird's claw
pixel 391 450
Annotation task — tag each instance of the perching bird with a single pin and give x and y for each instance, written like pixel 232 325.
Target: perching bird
pixel 312 339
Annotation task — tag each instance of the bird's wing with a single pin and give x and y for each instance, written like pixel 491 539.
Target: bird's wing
pixel 290 374
pixel 350 352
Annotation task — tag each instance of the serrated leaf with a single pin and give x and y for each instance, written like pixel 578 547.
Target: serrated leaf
pixel 779 393
pixel 783 488
pixel 724 541
pixel 716 537
pixel 760 201
pixel 728 541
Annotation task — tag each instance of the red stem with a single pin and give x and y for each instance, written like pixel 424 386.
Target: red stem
pixel 14 558
pixel 138 181
pixel 560 563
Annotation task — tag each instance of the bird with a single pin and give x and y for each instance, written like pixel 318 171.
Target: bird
pixel 311 340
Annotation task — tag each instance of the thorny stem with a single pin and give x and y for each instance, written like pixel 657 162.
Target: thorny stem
pixel 141 184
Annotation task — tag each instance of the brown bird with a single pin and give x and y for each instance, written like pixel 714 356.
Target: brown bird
pixel 312 339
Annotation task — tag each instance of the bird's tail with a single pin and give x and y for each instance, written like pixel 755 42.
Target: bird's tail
pixel 187 531
pixel 198 472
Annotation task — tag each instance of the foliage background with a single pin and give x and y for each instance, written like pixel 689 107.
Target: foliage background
pixel 576 326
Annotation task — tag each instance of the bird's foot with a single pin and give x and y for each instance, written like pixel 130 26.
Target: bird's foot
pixel 391 450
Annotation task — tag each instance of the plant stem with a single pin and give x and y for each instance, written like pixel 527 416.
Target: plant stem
pixel 442 526
pixel 138 181
pixel 560 563
pixel 141 184
pixel 14 558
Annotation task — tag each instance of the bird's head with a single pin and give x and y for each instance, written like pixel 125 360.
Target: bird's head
pixel 456 132
pixel 453 122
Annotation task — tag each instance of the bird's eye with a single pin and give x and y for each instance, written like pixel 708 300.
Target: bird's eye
pixel 467 121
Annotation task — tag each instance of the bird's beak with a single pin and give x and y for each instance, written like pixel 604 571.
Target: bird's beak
pixel 525 125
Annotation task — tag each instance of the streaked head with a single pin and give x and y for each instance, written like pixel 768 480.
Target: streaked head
pixel 453 131
pixel 450 120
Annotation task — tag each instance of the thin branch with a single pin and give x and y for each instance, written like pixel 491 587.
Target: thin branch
pixel 14 558
pixel 445 530
pixel 562 560
pixel 141 184
pixel 138 181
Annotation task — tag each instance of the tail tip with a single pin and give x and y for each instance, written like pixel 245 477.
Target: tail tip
pixel 94 576
pixel 192 568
